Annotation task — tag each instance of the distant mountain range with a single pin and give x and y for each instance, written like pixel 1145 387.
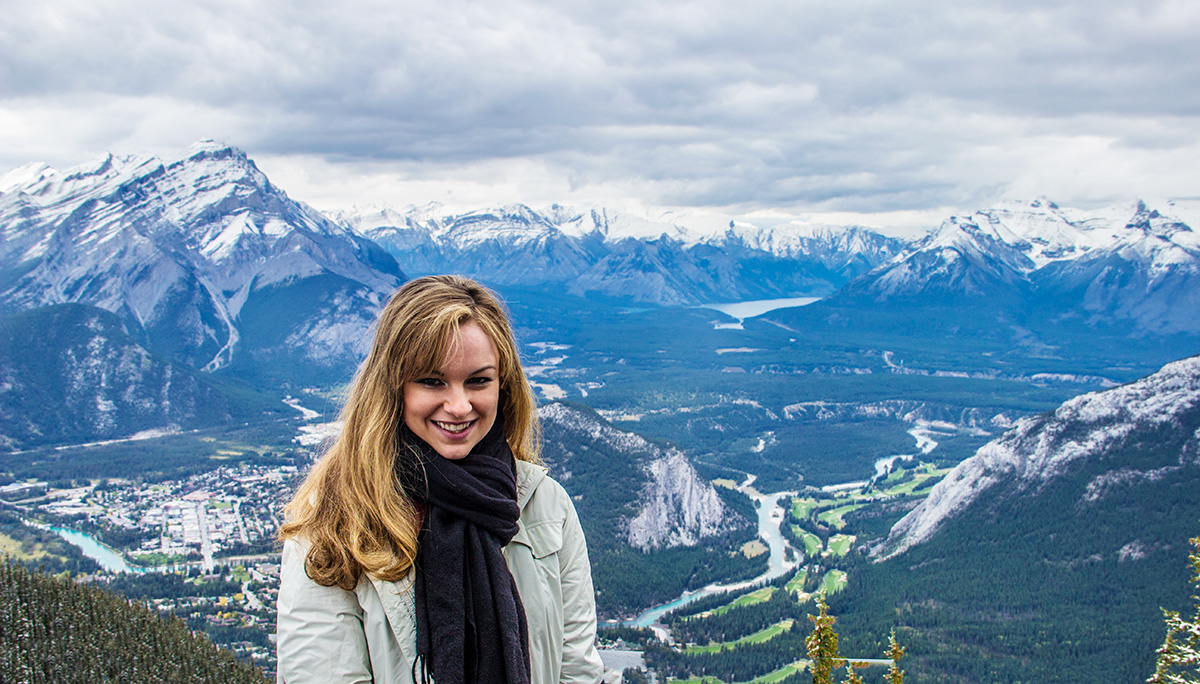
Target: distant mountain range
pixel 1130 266
pixel 1126 264
pixel 599 252
pixel 208 265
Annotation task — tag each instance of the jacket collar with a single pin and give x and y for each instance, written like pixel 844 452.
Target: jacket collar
pixel 529 476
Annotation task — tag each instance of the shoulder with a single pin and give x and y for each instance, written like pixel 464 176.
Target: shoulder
pixel 540 496
pixel 294 553
pixel 293 573
pixel 534 480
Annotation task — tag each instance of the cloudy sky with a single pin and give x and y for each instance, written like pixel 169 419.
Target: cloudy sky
pixel 872 111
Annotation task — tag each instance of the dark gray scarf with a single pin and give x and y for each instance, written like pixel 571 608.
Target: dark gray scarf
pixel 471 626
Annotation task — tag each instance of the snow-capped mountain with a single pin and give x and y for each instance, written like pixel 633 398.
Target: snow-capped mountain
pixel 1127 263
pixel 1135 436
pixel 1148 275
pixel 618 255
pixel 845 250
pixel 511 245
pixel 192 252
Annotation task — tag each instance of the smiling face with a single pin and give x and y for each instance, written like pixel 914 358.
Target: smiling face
pixel 454 406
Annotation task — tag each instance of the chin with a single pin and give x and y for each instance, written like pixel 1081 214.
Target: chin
pixel 454 453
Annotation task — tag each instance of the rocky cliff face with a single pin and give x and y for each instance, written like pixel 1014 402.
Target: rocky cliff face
pixel 652 495
pixel 677 508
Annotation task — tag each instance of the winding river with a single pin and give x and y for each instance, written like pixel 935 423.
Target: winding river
pixel 109 558
pixel 770 514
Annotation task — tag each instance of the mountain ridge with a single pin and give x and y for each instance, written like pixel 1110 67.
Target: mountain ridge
pixel 69 372
pixel 1121 264
pixel 1046 556
pixel 606 253
pixel 1041 448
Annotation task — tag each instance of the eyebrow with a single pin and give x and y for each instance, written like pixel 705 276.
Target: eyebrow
pixel 474 372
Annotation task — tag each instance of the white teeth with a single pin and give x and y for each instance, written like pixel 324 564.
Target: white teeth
pixel 452 427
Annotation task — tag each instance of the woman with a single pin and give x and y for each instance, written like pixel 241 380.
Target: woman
pixel 428 543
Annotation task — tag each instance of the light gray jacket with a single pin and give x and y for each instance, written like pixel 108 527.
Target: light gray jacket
pixel 328 635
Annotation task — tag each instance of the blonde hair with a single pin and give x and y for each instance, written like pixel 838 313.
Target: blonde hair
pixel 351 508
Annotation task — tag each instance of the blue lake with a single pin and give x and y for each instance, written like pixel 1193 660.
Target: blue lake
pixel 743 310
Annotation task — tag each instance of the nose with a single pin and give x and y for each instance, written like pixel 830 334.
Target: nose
pixel 457 403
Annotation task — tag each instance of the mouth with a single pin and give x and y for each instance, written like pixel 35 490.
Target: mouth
pixel 454 428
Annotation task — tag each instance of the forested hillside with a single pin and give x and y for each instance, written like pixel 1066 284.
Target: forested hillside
pixel 609 475
pixel 1048 554
pixel 53 630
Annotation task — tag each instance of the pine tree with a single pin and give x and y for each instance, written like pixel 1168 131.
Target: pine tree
pixel 52 630
pixel 822 644
pixel 1179 656
pixel 895 651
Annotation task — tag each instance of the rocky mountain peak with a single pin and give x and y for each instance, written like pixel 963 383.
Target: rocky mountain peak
pixel 175 246
pixel 1128 266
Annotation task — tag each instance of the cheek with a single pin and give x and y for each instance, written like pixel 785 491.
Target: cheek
pixel 493 402
pixel 411 409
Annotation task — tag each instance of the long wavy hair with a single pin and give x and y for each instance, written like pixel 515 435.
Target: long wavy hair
pixel 351 509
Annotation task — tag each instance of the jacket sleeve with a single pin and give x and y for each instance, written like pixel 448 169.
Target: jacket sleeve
pixel 580 661
pixel 320 636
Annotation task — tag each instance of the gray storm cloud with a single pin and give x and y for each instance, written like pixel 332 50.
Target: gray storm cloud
pixel 864 106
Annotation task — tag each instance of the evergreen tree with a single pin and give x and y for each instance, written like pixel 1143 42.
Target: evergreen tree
pixel 632 675
pixel 822 645
pixel 53 630
pixel 1179 656
pixel 895 651
pixel 852 676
